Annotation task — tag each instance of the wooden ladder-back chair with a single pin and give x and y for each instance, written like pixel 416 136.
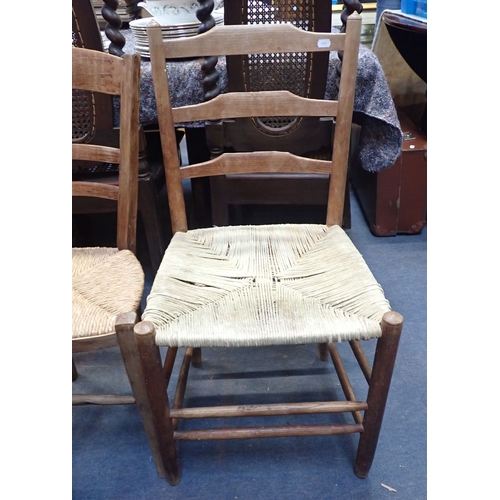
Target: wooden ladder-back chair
pixel 304 74
pixel 261 285
pixel 108 282
pixel 93 122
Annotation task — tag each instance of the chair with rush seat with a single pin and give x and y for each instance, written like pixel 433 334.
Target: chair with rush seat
pixel 108 283
pixel 261 285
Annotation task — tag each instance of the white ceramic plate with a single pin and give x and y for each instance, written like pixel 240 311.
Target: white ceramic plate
pixel 177 20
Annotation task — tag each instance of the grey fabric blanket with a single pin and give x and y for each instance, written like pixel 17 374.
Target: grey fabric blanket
pixel 380 140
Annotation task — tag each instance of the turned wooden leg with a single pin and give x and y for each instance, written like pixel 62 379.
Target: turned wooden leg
pixel 152 400
pixel 197 149
pixel 323 351
pixel 196 359
pixel 124 327
pixel 168 365
pixel 346 216
pixel 220 208
pixel 383 365
pixel 151 221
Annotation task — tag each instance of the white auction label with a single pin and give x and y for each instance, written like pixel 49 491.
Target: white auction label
pixel 323 43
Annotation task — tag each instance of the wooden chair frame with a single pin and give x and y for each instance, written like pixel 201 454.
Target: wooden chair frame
pixel 99 72
pixel 163 418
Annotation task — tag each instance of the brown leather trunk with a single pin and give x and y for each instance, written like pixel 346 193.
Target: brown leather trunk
pixel 395 200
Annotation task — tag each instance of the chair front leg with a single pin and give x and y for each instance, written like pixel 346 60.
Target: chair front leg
pixel 153 403
pixel 383 366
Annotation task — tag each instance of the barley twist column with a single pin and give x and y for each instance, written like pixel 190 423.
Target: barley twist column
pixel 209 73
pixel 112 28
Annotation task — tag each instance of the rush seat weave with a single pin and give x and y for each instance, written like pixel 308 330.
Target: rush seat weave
pixel 106 282
pixel 264 285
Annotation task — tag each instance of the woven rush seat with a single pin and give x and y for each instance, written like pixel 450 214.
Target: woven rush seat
pixel 264 285
pixel 106 282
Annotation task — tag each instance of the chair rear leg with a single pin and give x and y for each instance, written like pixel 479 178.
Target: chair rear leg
pixel 144 367
pixel 323 351
pixel 196 360
pixel 346 215
pixel 151 221
pixel 220 208
pixel 383 365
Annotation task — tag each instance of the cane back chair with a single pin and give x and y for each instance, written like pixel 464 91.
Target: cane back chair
pixel 93 122
pixel 107 282
pixel 304 74
pixel 261 285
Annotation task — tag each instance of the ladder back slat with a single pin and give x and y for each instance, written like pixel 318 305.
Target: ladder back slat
pixel 254 104
pixel 94 152
pixel 256 162
pixel 95 190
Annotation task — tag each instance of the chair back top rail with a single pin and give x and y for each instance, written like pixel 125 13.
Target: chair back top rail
pixel 96 71
pixel 253 39
pixel 269 38
pixel 99 72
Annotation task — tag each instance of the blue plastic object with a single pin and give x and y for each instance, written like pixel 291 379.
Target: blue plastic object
pixel 415 7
